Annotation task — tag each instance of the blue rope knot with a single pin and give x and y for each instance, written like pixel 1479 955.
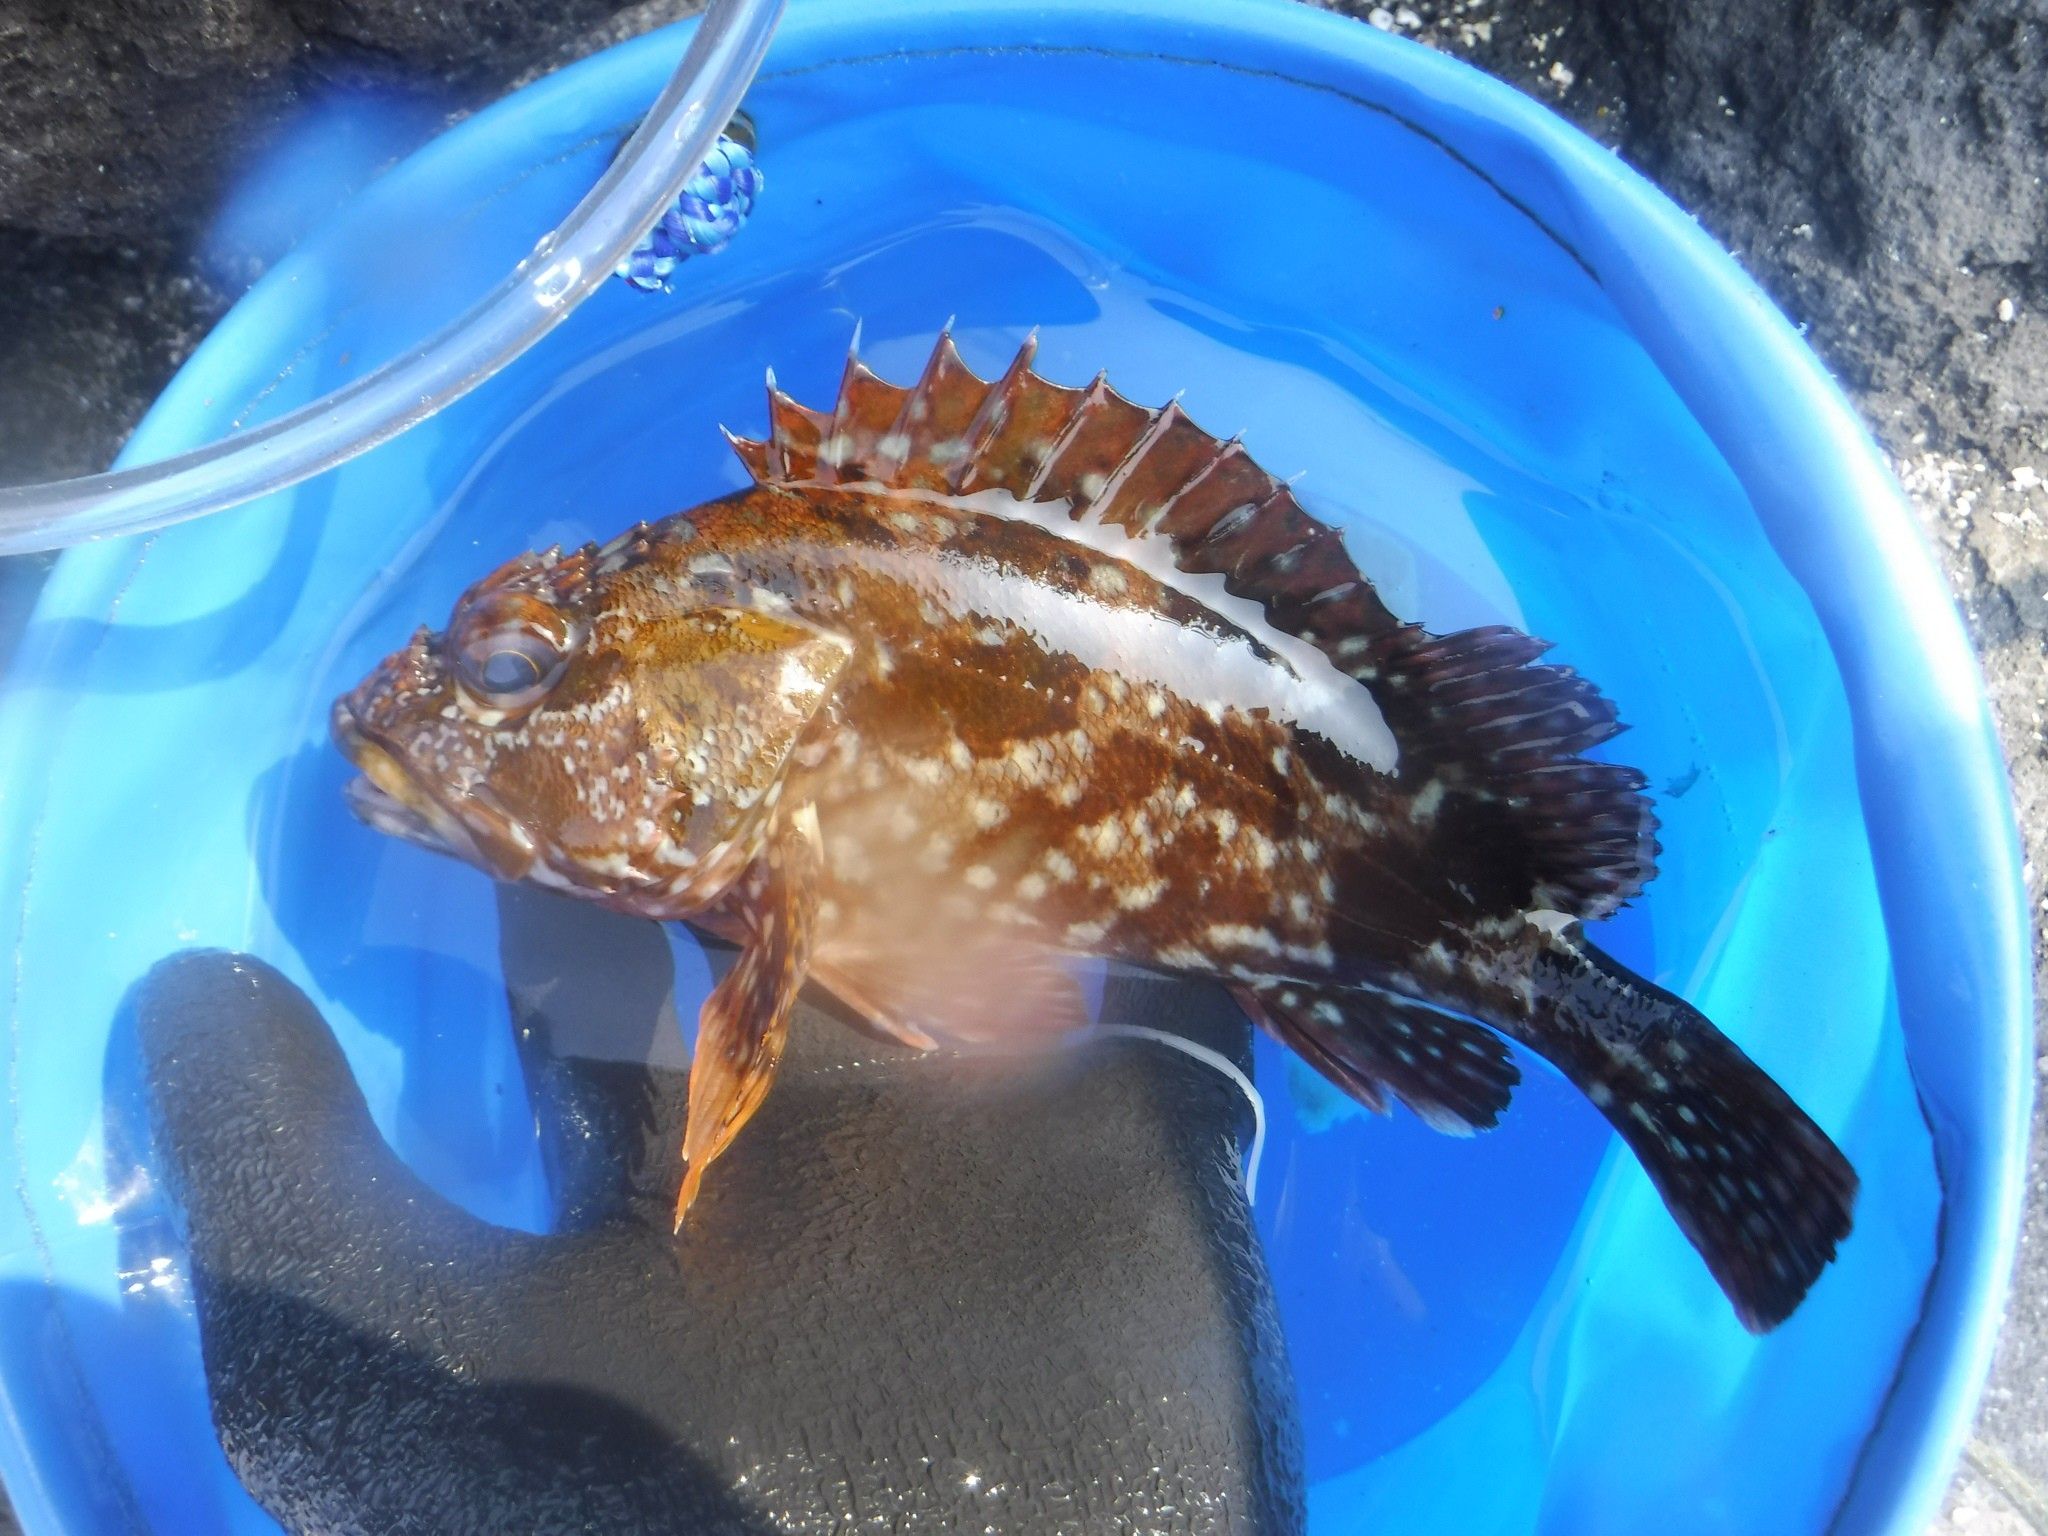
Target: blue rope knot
pixel 707 213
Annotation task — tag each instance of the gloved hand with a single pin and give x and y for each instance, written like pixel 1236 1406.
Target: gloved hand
pixel 924 1293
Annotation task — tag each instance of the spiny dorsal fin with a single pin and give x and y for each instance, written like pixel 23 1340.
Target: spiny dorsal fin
pixel 1472 712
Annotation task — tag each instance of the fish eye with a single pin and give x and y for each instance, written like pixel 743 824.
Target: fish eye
pixel 509 649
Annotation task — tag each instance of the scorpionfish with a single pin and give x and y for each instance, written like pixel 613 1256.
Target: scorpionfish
pixel 977 677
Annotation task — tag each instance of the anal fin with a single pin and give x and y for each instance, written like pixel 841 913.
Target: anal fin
pixel 1456 1075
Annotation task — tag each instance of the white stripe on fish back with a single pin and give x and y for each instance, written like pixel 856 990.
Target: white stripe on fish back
pixel 1302 687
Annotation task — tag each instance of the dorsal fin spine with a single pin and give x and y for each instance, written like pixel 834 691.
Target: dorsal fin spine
pixel 1225 452
pixel 1097 392
pixel 1162 423
pixel 994 412
pixel 757 456
pixel 894 450
pixel 833 447
pixel 795 434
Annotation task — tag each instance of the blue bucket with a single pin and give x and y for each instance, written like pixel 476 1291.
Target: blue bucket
pixel 1528 389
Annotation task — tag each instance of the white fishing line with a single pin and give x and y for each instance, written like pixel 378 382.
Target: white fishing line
pixel 1208 1058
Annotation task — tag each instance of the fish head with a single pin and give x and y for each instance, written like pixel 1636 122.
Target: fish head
pixel 591 725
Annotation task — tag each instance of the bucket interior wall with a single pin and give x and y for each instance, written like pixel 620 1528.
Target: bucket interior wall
pixel 1474 1325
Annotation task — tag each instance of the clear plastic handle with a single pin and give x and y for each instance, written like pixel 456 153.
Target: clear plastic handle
pixel 566 267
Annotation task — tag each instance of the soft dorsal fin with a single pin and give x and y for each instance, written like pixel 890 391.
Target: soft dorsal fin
pixel 1474 713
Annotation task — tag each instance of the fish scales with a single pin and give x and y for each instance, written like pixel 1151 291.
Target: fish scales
pixel 979 677
pixel 1182 826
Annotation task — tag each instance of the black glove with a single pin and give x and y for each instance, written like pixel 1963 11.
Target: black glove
pixel 921 1293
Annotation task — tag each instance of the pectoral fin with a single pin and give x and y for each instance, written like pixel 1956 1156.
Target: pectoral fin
pixel 974 991
pixel 745 1020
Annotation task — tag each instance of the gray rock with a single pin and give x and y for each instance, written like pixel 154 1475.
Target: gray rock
pixel 1879 166
pixel 120 118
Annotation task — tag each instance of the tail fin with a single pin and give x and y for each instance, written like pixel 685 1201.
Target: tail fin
pixel 1755 1185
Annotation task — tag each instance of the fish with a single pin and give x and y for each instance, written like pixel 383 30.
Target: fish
pixel 977 677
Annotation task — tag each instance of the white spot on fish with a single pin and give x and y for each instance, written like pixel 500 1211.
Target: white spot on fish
pixel 980 876
pixel 1105 837
pixel 1109 580
pixel 1138 897
pixel 1241 936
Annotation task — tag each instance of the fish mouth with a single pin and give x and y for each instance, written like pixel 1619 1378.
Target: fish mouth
pixel 389 797
pixel 386 813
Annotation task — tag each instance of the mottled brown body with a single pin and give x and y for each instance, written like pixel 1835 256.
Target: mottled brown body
pixel 981 676
pixel 974 775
